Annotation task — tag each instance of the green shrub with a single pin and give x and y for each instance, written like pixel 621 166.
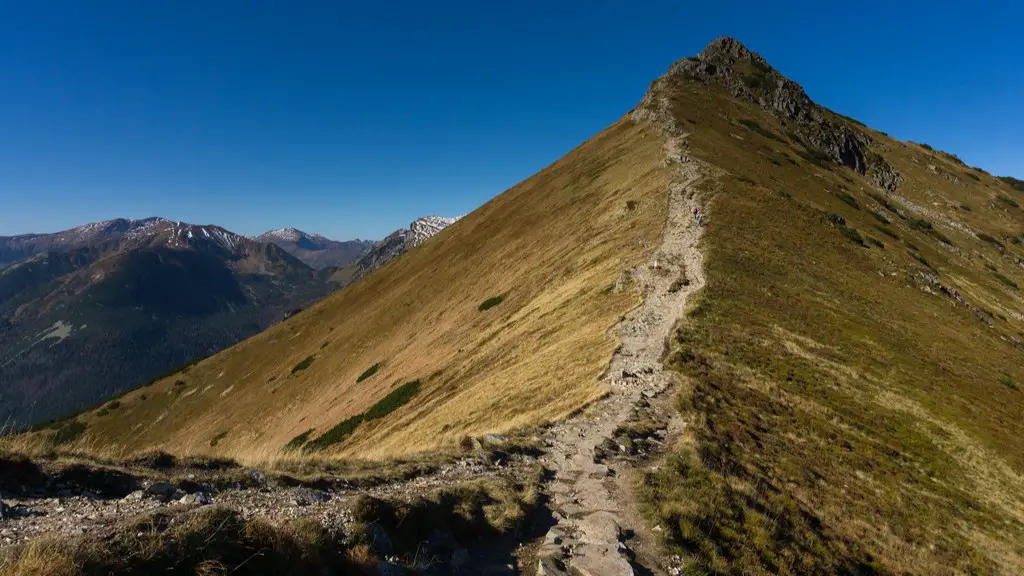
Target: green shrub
pixel 299 441
pixel 489 303
pixel 1008 201
pixel 114 405
pixel 302 365
pixel 334 435
pixel 876 242
pixel 752 125
pixel 990 240
pixel 852 235
pixel 926 147
pixel 848 199
pixel 884 203
pixel 922 259
pixel 1007 381
pixel 887 231
pixel 324 345
pixel 368 372
pixel 911 245
pixel 972 175
pixel 631 204
pixel 920 224
pixel 102 412
pixel 179 383
pixel 216 439
pixel 396 399
pixel 1006 280
pixel 880 217
pixel 965 207
pixel 68 433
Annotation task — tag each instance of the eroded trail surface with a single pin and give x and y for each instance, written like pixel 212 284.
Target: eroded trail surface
pixel 590 531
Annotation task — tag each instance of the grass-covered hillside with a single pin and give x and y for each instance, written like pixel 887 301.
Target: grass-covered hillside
pixel 336 378
pixel 854 368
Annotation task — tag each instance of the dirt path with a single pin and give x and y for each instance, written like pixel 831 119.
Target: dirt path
pixel 588 537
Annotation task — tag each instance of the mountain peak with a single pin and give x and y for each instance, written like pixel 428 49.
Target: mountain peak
pixel 744 74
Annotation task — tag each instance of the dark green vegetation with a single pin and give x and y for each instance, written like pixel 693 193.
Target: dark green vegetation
pixel 841 410
pixel 216 439
pixel 1014 183
pixel 299 441
pixel 67 433
pixel 393 401
pixel 85 323
pixel 368 372
pixel 849 200
pixel 303 364
pixel 1008 201
pixel 489 303
pixel 757 128
pixel 1006 280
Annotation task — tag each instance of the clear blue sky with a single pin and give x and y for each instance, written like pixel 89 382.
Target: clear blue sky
pixel 350 118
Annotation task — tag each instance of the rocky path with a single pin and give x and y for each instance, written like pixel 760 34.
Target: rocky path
pixel 589 535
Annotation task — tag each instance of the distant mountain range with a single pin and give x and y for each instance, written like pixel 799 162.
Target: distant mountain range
pixel 315 250
pixel 92 311
pixel 396 244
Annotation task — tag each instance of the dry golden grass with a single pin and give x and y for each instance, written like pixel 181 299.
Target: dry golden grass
pixel 549 246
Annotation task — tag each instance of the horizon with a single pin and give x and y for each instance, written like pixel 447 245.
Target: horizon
pixel 270 118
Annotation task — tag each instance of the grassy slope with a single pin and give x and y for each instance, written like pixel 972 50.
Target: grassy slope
pixel 549 246
pixel 843 418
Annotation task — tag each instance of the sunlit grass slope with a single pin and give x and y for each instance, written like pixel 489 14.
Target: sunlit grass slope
pixel 550 248
pixel 855 391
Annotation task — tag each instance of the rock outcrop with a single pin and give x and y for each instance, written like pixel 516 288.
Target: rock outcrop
pixel 745 74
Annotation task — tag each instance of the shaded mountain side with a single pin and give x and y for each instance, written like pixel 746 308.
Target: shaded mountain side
pixel 88 322
pixel 315 250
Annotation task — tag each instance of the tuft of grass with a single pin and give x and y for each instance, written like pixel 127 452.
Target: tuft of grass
pixel 882 218
pixel 1007 380
pixel 1008 201
pixel 489 303
pixel 299 441
pixel 368 372
pixel 68 433
pixel 631 205
pixel 917 256
pixel 102 412
pixel 852 235
pixel 876 242
pixel 1006 280
pixel 965 207
pixel 884 203
pixel 216 439
pixel 848 199
pixel 752 125
pixel 987 238
pixel 325 344
pixel 305 363
pixel 114 405
pixel 887 231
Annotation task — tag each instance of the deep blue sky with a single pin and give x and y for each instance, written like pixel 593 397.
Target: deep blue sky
pixel 350 118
